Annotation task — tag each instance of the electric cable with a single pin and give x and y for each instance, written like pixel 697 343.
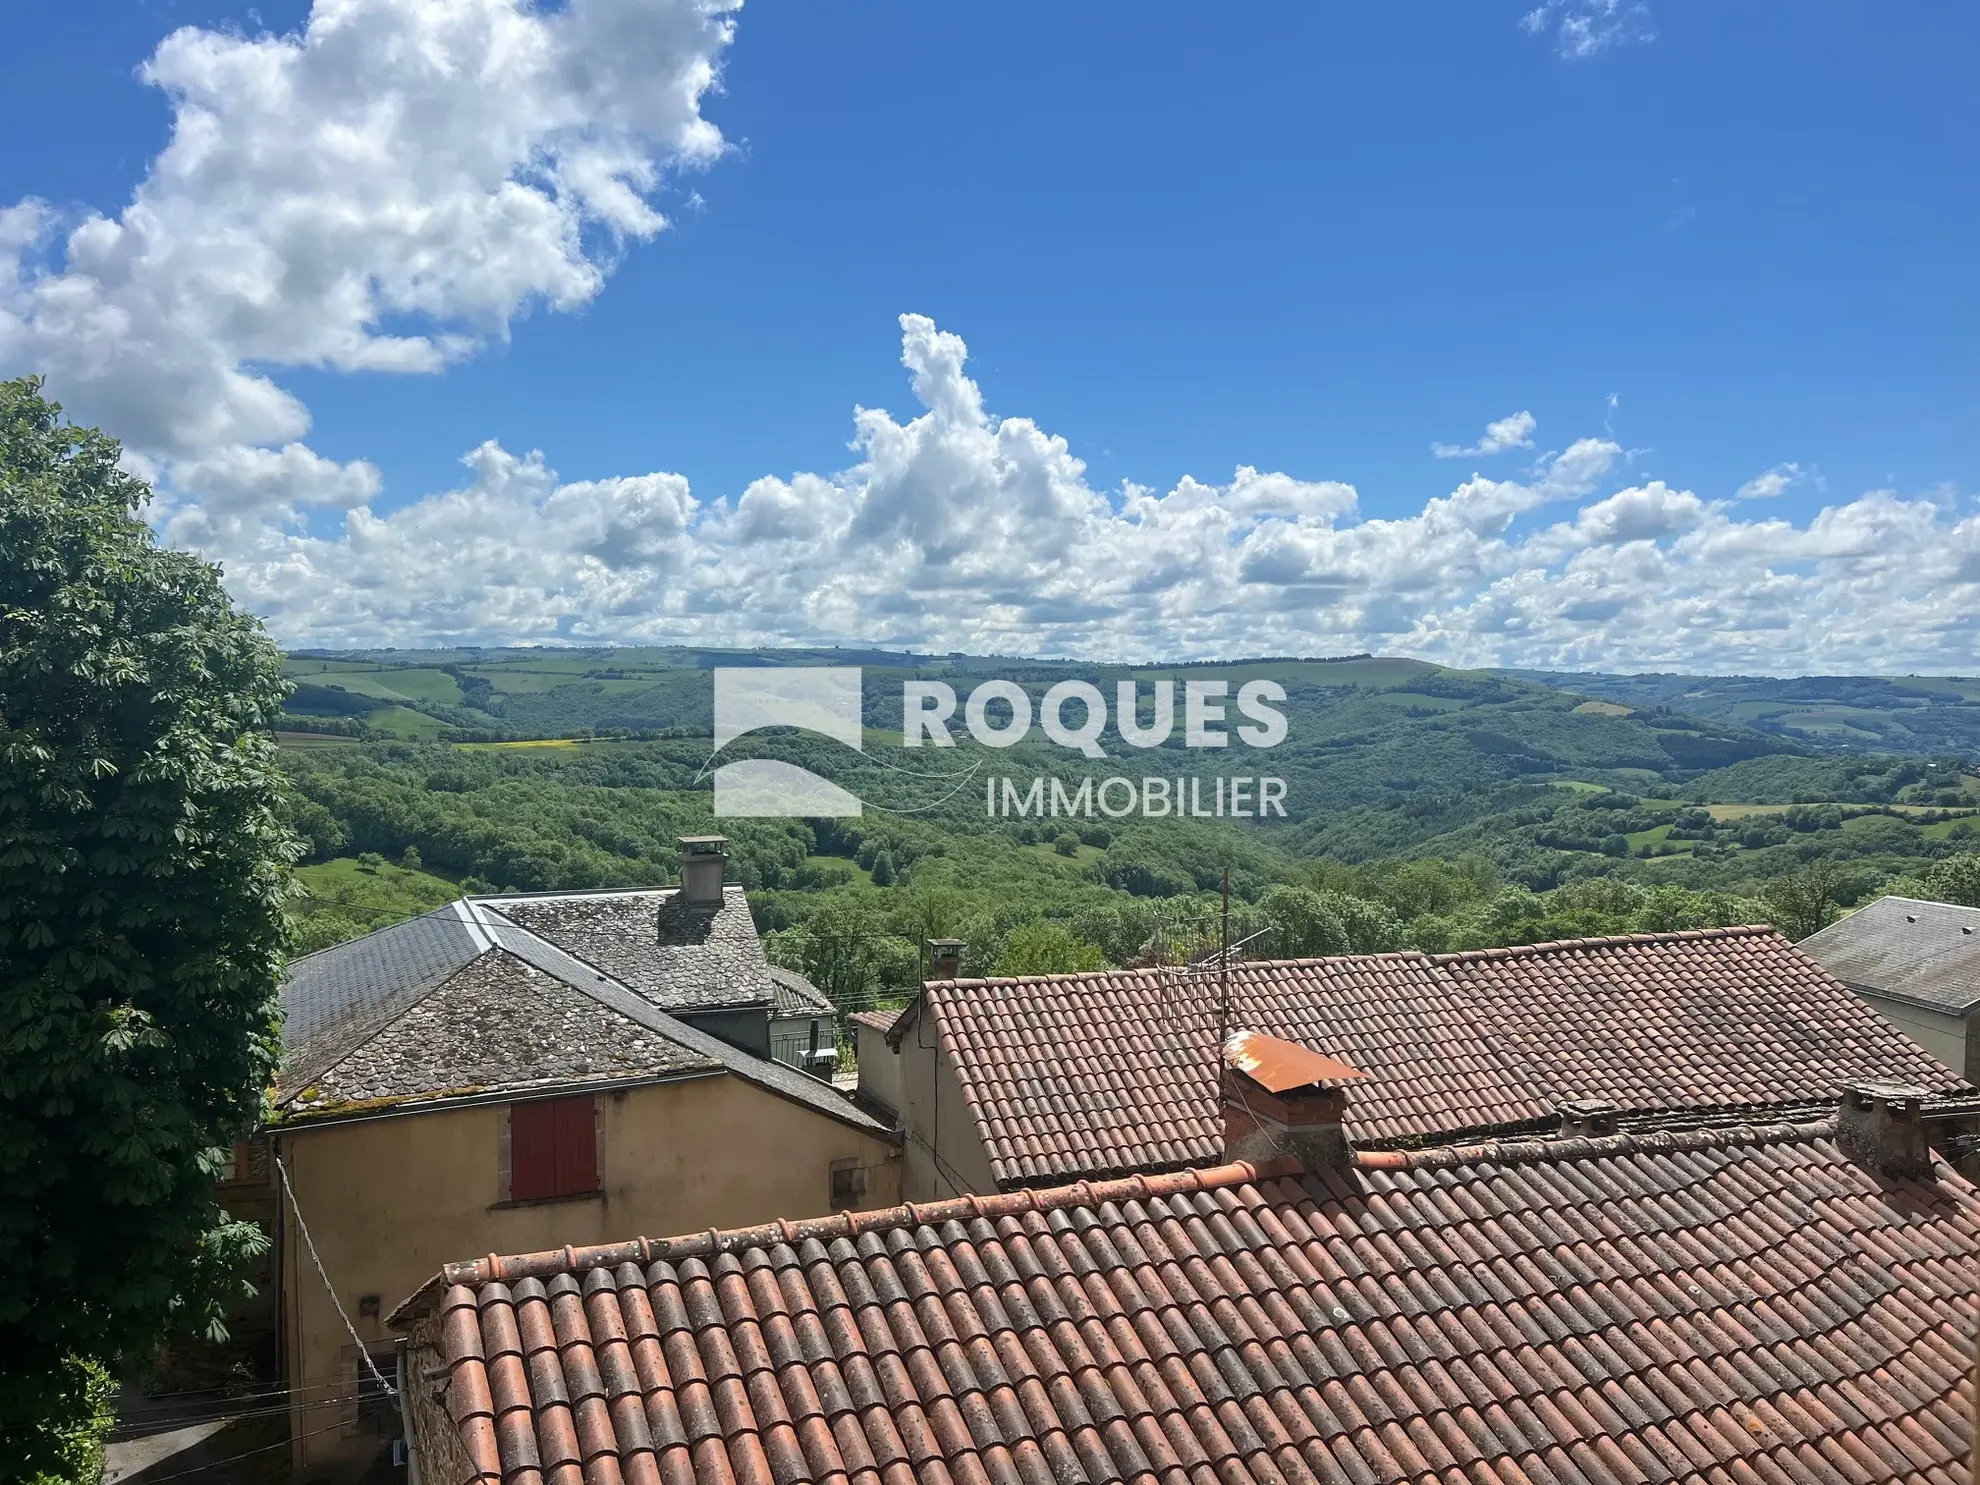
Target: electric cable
pixel 309 1243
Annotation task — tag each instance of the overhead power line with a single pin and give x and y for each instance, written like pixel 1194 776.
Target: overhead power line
pixel 303 1227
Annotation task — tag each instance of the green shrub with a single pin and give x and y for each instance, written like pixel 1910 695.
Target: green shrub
pixel 55 1424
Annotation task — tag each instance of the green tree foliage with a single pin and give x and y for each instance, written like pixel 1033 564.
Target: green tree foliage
pixel 1046 948
pixel 1305 923
pixel 144 870
pixel 55 1425
pixel 1956 879
pixel 847 949
pixel 1801 902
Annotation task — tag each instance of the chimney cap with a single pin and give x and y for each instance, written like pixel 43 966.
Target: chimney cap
pixel 946 943
pixel 1890 1090
pixel 703 845
pixel 1880 1122
pixel 1582 1108
pixel 1589 1117
pixel 1278 1066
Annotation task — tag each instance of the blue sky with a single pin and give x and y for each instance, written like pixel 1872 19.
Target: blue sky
pixel 1309 240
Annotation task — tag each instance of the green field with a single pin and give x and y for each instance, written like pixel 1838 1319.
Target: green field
pixel 1084 855
pixel 538 742
pixel 389 683
pixel 403 721
pixel 351 895
pixel 1745 811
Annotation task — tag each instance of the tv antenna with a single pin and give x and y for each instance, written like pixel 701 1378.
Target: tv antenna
pixel 1206 968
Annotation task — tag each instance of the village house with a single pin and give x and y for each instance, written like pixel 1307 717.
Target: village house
pixel 879 1064
pixel 1778 1298
pixel 516 1070
pixel 1917 964
pixel 1004 1083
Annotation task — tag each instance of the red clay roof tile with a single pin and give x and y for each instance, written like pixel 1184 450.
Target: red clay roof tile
pixel 1073 1075
pixel 1732 1304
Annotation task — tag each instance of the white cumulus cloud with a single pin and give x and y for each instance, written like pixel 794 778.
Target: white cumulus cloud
pixel 1515 432
pixel 1776 481
pixel 960 528
pixel 388 188
pixel 381 191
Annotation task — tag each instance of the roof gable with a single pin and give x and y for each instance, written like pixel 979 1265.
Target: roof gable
pixel 1707 1306
pixel 1927 952
pixel 795 995
pixel 334 999
pixel 370 990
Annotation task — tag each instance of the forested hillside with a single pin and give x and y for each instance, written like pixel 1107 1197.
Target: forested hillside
pixel 1833 713
pixel 1425 807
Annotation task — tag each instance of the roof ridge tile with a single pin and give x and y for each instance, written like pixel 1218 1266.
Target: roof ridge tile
pixel 851 1224
pixel 1610 941
pixel 1089 1194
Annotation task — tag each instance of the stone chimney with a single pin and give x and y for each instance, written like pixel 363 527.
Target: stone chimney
pixel 945 958
pixel 1882 1124
pixel 704 864
pixel 1588 1117
pixel 1280 1099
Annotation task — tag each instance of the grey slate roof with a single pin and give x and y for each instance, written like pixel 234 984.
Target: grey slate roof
pixel 334 999
pixel 1924 952
pixel 796 996
pixel 498 1024
pixel 678 957
pixel 441 1007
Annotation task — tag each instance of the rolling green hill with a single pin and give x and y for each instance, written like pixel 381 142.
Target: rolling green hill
pixel 1921 715
pixel 1467 807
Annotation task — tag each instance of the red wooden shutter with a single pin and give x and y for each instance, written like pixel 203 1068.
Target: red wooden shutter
pixel 553 1149
pixel 577 1146
pixel 532 1152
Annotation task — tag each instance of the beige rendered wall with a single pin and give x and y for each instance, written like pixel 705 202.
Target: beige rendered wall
pixel 1943 1035
pixel 389 1200
pixel 879 1068
pixel 943 1154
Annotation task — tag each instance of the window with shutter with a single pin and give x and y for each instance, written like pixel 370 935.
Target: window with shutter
pixel 553 1149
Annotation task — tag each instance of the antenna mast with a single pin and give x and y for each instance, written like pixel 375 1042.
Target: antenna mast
pixel 1224 971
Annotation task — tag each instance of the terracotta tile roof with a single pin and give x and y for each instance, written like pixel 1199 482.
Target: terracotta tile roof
pixel 1087 1075
pixel 1710 1017
pixel 880 1021
pixel 1925 952
pixel 1077 1075
pixel 1743 1306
